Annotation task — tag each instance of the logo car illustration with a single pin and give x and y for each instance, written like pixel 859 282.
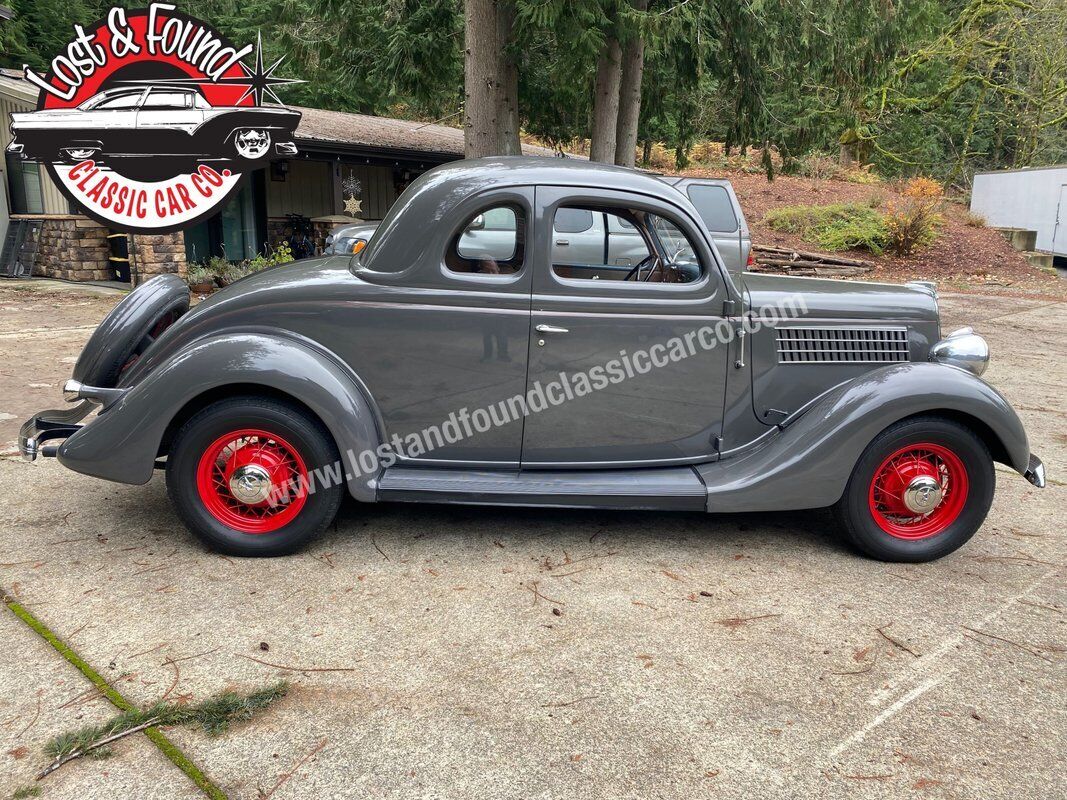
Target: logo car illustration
pixel 169 125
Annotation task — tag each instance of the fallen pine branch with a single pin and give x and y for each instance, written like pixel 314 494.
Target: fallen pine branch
pixel 214 716
pixel 85 750
pixel 793 255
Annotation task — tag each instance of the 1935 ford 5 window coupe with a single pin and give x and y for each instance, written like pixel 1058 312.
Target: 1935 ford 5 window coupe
pixel 441 364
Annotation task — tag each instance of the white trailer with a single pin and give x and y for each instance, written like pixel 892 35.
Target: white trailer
pixel 1027 199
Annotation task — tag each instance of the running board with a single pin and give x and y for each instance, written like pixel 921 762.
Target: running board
pixel 669 488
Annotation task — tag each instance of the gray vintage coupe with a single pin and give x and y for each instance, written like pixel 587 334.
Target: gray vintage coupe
pixel 432 368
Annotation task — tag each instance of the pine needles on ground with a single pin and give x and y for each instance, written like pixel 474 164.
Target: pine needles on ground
pixel 214 716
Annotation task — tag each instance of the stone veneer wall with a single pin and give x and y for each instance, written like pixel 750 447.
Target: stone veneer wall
pixel 158 253
pixel 72 248
pixel 76 248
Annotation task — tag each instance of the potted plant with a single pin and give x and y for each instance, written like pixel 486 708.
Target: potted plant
pixel 201 279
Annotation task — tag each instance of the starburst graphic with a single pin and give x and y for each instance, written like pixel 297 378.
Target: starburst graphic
pixel 353 206
pixel 262 81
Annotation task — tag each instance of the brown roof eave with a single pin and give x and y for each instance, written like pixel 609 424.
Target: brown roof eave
pixel 373 151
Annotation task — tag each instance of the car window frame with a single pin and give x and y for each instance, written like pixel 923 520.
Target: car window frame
pixel 712 281
pixel 137 103
pixel 158 90
pixel 520 198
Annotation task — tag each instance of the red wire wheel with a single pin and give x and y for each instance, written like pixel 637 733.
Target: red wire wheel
pixel 908 467
pixel 252 481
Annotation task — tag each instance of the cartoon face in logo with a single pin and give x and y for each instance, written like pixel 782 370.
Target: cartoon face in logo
pixel 158 133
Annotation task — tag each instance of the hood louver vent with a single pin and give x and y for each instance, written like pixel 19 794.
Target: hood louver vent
pixel 842 345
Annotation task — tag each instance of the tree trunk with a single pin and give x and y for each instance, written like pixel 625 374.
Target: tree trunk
pixel 606 102
pixel 646 153
pixel 508 96
pixel 633 68
pixel 490 109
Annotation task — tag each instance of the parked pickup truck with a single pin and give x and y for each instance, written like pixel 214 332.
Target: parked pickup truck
pixel 443 364
pixel 599 241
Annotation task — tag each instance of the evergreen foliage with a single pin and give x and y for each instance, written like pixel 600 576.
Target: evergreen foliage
pixel 941 87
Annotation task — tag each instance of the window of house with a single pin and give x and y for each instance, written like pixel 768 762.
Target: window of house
pixel 714 206
pixel 492 242
pixel 24 178
pixel 623 244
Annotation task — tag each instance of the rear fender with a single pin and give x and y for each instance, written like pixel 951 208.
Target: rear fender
pixel 807 464
pixel 122 443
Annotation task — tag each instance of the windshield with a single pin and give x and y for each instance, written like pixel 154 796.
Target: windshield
pixel 113 100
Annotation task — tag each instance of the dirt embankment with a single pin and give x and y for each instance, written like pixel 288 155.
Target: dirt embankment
pixel 962 258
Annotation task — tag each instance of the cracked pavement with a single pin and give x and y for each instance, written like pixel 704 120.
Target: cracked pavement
pixel 461 652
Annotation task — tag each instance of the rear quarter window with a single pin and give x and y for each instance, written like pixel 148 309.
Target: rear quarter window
pixel 714 206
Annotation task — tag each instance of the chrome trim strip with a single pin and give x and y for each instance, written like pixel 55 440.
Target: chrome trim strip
pixel 618 315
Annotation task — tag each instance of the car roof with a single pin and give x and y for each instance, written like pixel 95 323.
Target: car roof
pixel 435 193
pixel 138 89
pixel 531 170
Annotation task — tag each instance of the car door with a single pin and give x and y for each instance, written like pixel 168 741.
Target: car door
pixel 444 355
pixel 622 372
pixel 170 116
pixel 113 122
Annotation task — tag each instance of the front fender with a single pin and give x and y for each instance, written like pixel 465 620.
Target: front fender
pixel 121 444
pixel 807 464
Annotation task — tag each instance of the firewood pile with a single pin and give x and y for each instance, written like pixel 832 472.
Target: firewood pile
pixel 799 262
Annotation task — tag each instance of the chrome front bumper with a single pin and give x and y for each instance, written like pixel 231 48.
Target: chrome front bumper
pixel 44 426
pixel 1035 472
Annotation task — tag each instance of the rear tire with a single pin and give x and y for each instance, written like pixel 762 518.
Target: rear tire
pixel 874 512
pixel 237 474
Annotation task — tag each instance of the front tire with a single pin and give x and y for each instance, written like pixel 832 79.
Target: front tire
pixel 920 491
pixel 240 475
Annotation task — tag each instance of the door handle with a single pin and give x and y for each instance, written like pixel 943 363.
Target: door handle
pixel 550 329
pixel 563 242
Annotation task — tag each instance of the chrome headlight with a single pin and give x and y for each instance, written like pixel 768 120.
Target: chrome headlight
pixel 963 349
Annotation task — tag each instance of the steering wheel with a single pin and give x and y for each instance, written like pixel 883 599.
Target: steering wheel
pixel 646 261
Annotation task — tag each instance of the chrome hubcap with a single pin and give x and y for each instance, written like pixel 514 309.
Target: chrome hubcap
pixel 923 495
pixel 250 484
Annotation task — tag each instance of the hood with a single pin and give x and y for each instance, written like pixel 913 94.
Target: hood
pixel 835 299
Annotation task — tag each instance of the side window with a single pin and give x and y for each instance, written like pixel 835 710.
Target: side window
pixel 158 99
pixel 492 242
pixel 714 206
pixel 624 244
pixel 573 220
pixel 120 101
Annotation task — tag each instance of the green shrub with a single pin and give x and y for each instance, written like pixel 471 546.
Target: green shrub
pixel 911 225
pixel 198 274
pixel 841 226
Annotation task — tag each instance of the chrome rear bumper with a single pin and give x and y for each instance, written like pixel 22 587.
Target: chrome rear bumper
pixel 57 423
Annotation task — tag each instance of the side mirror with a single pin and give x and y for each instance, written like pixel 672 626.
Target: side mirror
pixel 477 224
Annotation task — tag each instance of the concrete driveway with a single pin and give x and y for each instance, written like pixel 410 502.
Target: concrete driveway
pixel 490 653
